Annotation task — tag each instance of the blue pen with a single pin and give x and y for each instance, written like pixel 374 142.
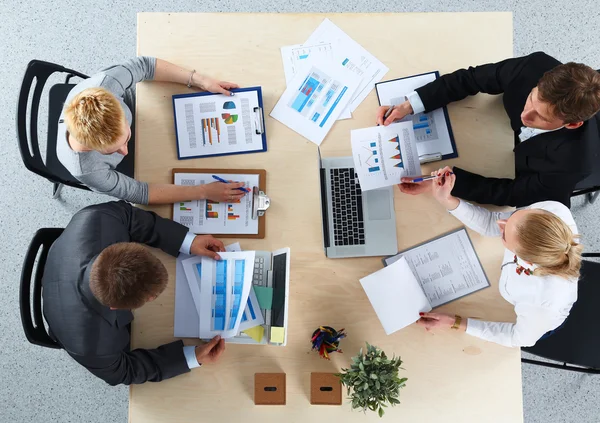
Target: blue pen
pixel 227 182
pixel 427 178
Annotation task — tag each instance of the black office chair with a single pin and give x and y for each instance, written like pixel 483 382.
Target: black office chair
pixel 577 343
pixel 52 169
pixel 590 186
pixel 31 303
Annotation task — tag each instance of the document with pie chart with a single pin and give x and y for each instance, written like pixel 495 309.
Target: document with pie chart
pixel 384 154
pixel 208 124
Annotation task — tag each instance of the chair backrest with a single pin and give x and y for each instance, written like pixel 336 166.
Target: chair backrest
pixel 578 340
pixel 30 293
pixel 37 72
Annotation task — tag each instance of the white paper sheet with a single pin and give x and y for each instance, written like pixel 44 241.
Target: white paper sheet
pixel 315 98
pixel 295 56
pixel 396 296
pixel 431 129
pixel 209 217
pixel 384 154
pixel 352 56
pixel 220 290
pixel 217 124
pixel 447 267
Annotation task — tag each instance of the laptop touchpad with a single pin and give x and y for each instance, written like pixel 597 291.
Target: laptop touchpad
pixel 378 205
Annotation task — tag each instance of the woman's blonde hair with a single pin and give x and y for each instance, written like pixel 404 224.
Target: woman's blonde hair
pixel 95 118
pixel 546 240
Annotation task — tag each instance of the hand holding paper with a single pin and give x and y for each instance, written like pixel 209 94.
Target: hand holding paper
pixel 396 296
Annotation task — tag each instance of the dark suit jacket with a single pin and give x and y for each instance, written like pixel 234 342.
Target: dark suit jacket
pixel 94 335
pixel 548 165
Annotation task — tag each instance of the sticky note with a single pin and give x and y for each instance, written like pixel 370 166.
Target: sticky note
pixel 264 296
pixel 256 333
pixel 277 335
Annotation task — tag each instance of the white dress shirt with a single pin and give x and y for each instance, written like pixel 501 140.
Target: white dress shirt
pixel 542 303
pixel 190 350
pixel 418 107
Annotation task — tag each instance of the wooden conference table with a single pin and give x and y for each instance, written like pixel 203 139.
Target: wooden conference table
pixel 451 377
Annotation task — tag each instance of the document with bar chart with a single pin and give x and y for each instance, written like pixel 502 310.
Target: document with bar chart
pixel 211 217
pixel 295 56
pixel 433 131
pixel 384 154
pixel 209 124
pixel 315 98
pixel 221 290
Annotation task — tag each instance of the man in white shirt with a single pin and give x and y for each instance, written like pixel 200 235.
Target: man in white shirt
pixel 552 108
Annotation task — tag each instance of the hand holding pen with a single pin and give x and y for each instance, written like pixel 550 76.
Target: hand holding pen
pixel 442 182
pixel 223 191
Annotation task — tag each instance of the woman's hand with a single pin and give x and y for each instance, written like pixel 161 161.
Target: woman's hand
pixel 437 320
pixel 441 188
pixel 206 83
pixel 221 192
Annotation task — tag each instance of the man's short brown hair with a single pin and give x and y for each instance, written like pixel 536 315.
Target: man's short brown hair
pixel 126 275
pixel 573 91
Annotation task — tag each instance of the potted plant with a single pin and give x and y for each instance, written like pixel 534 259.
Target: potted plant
pixel 373 380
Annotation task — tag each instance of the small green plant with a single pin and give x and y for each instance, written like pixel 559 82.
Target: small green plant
pixel 373 380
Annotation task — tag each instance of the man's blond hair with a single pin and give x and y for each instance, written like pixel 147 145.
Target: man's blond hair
pixel 95 118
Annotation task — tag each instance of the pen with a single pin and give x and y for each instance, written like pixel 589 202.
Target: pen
pixel 226 182
pixel 388 113
pixel 427 177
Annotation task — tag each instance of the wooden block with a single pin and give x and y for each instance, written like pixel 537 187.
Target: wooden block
pixel 269 388
pixel 325 389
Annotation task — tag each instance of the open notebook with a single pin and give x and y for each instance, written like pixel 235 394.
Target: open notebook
pixel 423 277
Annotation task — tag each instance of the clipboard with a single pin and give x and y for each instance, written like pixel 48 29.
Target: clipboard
pixel 427 158
pixel 256 201
pixel 257 122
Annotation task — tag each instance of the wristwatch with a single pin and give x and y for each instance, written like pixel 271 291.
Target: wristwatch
pixel 457 320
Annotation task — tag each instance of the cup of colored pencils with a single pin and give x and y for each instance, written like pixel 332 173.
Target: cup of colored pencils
pixel 326 340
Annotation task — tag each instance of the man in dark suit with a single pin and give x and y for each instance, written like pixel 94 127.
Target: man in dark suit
pixel 97 271
pixel 551 107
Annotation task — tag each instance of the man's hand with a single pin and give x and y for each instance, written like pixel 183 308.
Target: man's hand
pixel 211 351
pixel 206 83
pixel 412 188
pixel 221 192
pixel 399 112
pixel 207 245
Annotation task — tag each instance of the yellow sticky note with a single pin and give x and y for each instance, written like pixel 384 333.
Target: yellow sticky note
pixel 255 333
pixel 277 335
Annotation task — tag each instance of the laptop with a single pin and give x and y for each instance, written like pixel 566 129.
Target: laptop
pixel 355 223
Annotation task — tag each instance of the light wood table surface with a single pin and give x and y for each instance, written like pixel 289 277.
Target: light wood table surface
pixel 452 377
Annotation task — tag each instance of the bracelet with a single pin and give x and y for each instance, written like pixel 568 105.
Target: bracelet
pixel 457 320
pixel 189 84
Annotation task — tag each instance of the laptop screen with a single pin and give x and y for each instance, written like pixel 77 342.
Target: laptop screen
pixel 279 281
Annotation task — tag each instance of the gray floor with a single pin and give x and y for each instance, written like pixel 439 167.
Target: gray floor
pixel 40 385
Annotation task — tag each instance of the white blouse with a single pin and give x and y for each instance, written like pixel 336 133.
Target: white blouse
pixel 542 303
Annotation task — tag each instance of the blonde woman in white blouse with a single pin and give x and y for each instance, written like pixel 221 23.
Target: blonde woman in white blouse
pixel 539 272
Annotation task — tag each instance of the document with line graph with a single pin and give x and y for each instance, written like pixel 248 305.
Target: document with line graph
pixel 315 97
pixel 384 154
pixel 208 124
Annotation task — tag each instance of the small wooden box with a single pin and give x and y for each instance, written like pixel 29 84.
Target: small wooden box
pixel 269 388
pixel 325 389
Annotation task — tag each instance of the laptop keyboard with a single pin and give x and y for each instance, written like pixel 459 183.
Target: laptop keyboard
pixel 348 223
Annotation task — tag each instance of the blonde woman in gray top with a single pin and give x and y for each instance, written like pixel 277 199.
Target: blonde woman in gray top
pixel 95 128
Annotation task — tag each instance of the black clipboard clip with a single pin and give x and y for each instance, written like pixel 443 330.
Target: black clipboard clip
pixel 259 121
pixel 260 203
